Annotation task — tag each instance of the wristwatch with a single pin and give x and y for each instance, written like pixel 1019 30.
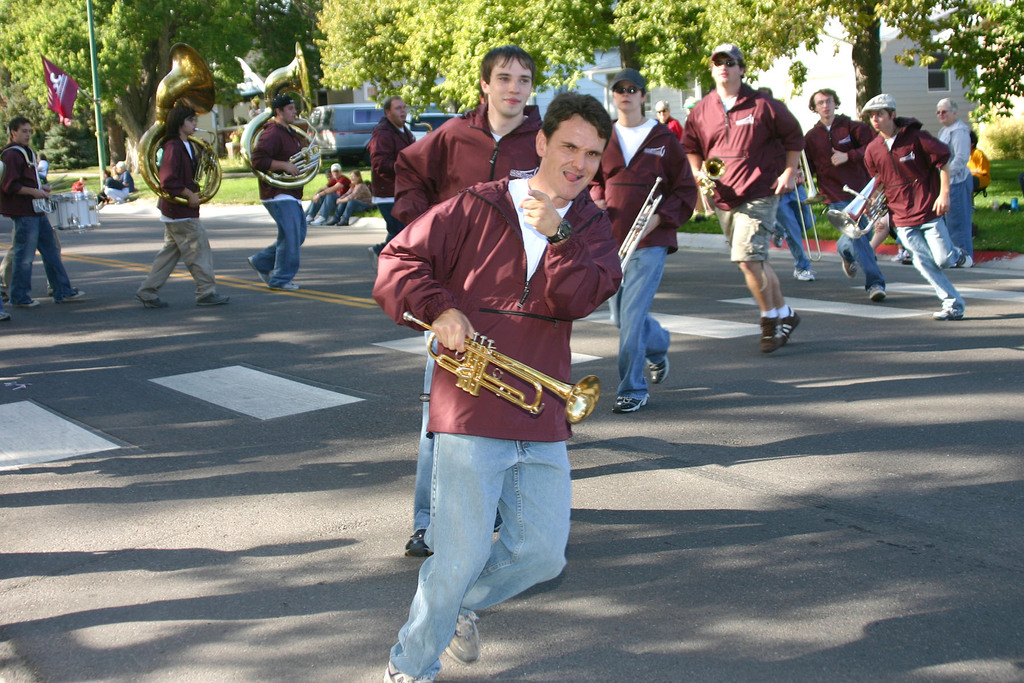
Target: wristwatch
pixel 563 233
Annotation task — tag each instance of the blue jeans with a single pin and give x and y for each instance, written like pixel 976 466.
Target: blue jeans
pixel 394 226
pixel 961 213
pixel 425 457
pixel 932 250
pixel 345 210
pixel 641 338
pixel 788 217
pixel 860 251
pixel 32 233
pixel 528 481
pixel 281 259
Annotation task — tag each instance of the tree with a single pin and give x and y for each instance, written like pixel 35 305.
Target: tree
pixel 134 41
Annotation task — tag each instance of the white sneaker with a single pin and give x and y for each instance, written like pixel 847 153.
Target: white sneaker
pixel 876 293
pixel 392 676
pixel 287 287
pixel 465 644
pixel 804 275
pixel 319 220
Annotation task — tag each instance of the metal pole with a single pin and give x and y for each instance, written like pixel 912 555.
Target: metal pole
pixel 101 149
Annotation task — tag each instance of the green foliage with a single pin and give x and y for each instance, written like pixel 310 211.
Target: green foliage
pixel 70 147
pixel 1003 139
pixel 14 101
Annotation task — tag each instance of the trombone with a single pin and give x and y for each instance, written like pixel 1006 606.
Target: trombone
pixel 470 373
pixel 812 198
pixel 639 228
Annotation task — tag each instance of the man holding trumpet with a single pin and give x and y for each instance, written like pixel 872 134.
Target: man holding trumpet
pixel 516 261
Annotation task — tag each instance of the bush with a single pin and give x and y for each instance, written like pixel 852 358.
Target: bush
pixel 69 147
pixel 1003 139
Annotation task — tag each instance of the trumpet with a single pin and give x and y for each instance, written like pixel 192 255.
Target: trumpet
pixel 639 228
pixel 812 198
pixel 711 170
pixel 870 204
pixel 471 375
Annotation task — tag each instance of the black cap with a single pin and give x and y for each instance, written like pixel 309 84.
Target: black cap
pixel 281 101
pixel 631 75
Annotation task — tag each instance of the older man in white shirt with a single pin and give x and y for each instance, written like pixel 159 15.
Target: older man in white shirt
pixel 957 136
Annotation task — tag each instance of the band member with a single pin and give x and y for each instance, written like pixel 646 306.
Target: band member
pixel 278 263
pixel 20 191
pixel 389 137
pixel 496 140
pixel 184 235
pixel 912 167
pixel 641 151
pixel 462 267
pixel 744 128
pixel 835 154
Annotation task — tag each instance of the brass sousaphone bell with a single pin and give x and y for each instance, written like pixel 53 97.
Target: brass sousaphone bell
pixel 190 82
pixel 294 78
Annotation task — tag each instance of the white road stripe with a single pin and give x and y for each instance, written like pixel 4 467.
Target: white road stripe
pixel 876 311
pixel 30 434
pixel 418 346
pixel 254 393
pixel 965 292
pixel 684 324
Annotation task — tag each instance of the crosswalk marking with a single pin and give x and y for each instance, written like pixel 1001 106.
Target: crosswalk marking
pixel 418 346
pixel 684 324
pixel 30 435
pixel 965 292
pixel 254 393
pixel 876 311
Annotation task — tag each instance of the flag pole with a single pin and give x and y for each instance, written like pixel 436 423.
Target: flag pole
pixel 101 149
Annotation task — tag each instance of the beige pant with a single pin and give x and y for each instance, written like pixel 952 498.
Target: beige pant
pixel 183 240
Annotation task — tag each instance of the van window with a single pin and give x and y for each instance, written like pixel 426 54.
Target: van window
pixel 367 115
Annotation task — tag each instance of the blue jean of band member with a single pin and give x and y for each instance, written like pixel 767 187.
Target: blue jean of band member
pixel 961 213
pixel 425 457
pixel 281 259
pixel 641 338
pixel 860 251
pixel 31 234
pixel 394 226
pixel 787 218
pixel 528 481
pixel 932 252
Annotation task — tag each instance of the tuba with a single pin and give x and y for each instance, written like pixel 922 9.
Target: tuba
pixel 293 77
pixel 189 81
pixel 471 375
pixel 870 204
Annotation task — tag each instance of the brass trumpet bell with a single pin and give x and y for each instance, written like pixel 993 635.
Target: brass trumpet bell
pixel 190 82
pixel 870 203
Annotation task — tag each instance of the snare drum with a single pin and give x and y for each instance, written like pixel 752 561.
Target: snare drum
pixel 74 211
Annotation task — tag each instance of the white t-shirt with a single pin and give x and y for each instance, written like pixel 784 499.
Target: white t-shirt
pixel 630 139
pixel 534 242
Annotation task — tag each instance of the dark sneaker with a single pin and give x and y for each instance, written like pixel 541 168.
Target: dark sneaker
pixel 769 342
pixel 786 326
pixel 263 274
pixel 152 303
pixel 393 676
pixel 876 293
pixel 4 316
pixel 850 268
pixel 374 255
pixel 656 373
pixel 949 314
pixel 212 299
pixel 3 296
pixel 908 258
pixel 417 547
pixel 629 404
pixel 465 644
pixel 777 240
pixel 964 261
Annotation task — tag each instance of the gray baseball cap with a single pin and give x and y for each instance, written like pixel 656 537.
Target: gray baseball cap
pixel 729 50
pixel 882 101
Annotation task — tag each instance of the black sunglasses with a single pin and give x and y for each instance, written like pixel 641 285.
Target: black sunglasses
pixel 725 62
pixel 626 91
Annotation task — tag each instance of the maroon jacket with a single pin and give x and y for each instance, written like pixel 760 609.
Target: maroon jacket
pixel 18 174
pixel 467 253
pixel 277 143
pixel 909 172
pixel 460 153
pixel 743 139
pixel 845 135
pixel 177 173
pixel 626 187
pixel 385 144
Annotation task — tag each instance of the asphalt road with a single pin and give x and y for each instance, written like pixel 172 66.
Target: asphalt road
pixel 845 509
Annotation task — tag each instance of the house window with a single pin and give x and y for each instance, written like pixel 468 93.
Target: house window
pixel 938 77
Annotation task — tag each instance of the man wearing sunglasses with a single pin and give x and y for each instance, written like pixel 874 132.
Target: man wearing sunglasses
pixel 745 129
pixel 641 150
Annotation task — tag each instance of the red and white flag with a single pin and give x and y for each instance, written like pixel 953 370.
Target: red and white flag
pixel 62 91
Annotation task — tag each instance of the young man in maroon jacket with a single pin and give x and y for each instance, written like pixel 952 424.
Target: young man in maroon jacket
pixel 389 138
pixel 741 127
pixel 184 236
pixel 496 140
pixel 835 154
pixel 911 166
pixel 514 260
pixel 278 263
pixel 19 186
pixel 641 151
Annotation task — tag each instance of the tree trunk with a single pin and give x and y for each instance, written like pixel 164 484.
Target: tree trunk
pixel 867 61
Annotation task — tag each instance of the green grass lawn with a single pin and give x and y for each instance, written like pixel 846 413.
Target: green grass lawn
pixel 997 230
